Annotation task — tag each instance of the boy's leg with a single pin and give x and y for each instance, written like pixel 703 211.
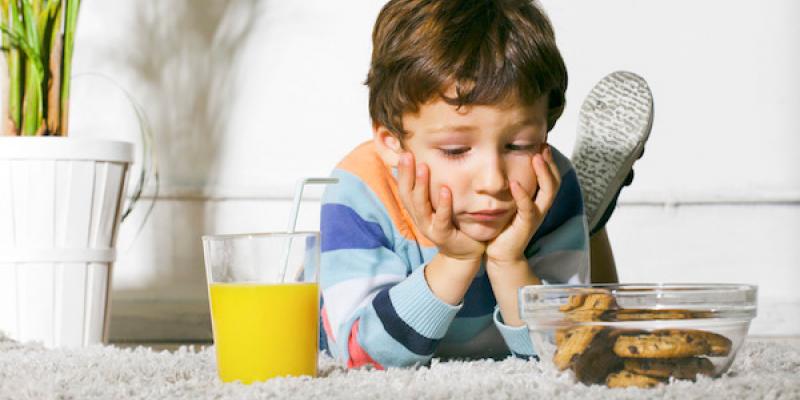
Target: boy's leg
pixel 603 268
pixel 614 123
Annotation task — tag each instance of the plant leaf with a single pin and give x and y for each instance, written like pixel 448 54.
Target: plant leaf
pixel 21 43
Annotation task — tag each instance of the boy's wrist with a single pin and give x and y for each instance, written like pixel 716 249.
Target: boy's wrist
pixel 506 277
pixel 513 264
pixel 449 278
pixel 458 267
pixel 465 258
pixel 510 275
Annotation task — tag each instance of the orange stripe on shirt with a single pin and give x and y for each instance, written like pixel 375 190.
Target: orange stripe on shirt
pixel 365 163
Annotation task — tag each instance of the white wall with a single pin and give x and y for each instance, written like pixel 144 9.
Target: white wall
pixel 246 96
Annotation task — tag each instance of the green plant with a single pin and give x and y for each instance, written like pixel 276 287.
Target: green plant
pixel 38 39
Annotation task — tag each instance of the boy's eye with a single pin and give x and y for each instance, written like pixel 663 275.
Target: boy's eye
pixel 454 152
pixel 522 147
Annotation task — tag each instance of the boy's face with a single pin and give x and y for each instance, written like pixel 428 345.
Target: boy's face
pixel 475 151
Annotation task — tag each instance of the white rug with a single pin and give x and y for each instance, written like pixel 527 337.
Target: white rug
pixel 765 370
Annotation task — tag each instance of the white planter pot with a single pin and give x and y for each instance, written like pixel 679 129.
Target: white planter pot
pixel 60 201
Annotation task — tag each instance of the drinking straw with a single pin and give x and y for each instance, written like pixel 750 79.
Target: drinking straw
pixel 298 195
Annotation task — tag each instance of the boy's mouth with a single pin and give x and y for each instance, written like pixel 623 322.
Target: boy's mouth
pixel 488 215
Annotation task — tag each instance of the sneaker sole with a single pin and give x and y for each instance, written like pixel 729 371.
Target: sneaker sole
pixel 613 125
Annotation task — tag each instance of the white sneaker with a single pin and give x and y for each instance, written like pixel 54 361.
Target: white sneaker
pixel 613 126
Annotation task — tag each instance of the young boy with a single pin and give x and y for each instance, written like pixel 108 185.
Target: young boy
pixel 458 200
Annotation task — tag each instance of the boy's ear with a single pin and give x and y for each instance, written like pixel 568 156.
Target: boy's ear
pixel 388 145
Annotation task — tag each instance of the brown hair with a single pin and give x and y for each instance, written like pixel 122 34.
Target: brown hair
pixel 490 49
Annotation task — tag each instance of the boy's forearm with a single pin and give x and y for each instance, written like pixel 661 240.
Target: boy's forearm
pixel 506 281
pixel 449 278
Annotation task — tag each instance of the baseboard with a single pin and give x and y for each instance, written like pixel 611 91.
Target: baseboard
pixel 159 321
pixel 189 321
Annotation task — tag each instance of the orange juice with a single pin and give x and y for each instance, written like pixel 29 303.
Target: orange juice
pixel 262 331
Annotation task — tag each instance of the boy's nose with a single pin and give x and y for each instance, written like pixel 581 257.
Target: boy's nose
pixel 491 178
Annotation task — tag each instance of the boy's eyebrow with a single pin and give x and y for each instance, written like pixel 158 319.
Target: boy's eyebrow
pixel 454 128
pixel 532 120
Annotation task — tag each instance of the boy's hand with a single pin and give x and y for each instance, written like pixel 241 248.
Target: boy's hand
pixel 508 247
pixel 436 225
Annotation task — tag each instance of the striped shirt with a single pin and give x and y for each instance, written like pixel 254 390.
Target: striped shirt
pixel 377 307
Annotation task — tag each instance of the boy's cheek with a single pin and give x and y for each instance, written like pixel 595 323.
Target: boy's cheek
pixel 436 186
pixel 524 177
pixel 454 179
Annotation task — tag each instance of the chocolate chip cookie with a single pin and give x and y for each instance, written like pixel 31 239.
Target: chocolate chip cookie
pixel 633 314
pixel 595 363
pixel 671 343
pixel 679 368
pixel 592 307
pixel 575 342
pixel 625 379
pixel 574 301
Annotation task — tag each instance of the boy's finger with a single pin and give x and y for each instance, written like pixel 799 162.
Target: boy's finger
pixel 551 163
pixel 535 188
pixel 523 200
pixel 521 196
pixel 420 194
pixel 442 219
pixel 405 178
pixel 548 185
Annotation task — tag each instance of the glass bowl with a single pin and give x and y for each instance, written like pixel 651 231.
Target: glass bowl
pixel 638 335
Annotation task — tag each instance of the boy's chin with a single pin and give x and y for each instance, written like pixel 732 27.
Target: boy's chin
pixel 480 232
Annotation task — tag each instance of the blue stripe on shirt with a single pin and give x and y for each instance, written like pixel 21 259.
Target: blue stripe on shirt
pixel 350 231
pixel 354 193
pixel 398 329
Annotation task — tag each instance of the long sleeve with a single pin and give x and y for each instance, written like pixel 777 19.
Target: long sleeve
pixel 377 306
